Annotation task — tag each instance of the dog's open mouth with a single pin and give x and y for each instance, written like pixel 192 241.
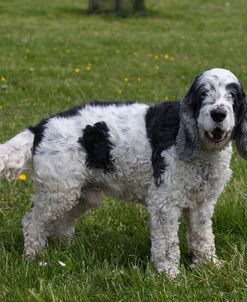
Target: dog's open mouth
pixel 217 136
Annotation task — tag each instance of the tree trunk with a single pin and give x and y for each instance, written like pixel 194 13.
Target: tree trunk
pixel 94 5
pixel 139 5
pixel 116 5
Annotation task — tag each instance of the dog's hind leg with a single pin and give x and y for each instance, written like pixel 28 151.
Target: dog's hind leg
pixel 49 205
pixel 64 228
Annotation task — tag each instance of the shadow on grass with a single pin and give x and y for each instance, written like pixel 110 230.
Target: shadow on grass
pixel 112 246
pixel 127 248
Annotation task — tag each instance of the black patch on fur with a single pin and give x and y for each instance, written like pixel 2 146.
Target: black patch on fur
pixel 162 124
pixel 38 132
pixel 69 113
pixel 239 102
pixel 196 95
pixel 96 141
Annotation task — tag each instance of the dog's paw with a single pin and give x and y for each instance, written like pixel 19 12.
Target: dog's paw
pixel 202 260
pixel 169 269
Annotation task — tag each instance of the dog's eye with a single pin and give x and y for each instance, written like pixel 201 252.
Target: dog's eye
pixel 204 93
pixel 233 95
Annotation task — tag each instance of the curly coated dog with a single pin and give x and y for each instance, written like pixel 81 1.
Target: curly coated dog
pixel 174 157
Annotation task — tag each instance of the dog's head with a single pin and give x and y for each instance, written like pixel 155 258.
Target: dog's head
pixel 212 112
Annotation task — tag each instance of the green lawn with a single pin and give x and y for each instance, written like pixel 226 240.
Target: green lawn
pixel 53 55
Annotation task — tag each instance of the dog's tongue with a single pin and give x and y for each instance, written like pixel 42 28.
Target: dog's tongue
pixel 218 133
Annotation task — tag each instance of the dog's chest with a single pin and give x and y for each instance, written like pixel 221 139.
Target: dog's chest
pixel 203 178
pixel 199 180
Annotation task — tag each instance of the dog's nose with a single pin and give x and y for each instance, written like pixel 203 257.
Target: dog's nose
pixel 218 115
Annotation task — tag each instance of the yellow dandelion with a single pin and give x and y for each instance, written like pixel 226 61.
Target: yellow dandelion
pixel 77 70
pixel 156 57
pixel 119 91
pixel 1 107
pixel 2 78
pixel 167 56
pixel 166 98
pixel 139 79
pixel 157 67
pixel 22 177
pixel 88 67
pixel 126 79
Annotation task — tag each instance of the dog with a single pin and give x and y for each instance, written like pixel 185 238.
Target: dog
pixel 173 157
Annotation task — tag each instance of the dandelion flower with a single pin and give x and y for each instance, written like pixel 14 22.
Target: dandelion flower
pixel 22 177
pixel 1 107
pixel 157 67
pixel 126 79
pixel 2 78
pixel 167 57
pixel 88 67
pixel 139 79
pixel 156 57
pixel 77 70
pixel 119 91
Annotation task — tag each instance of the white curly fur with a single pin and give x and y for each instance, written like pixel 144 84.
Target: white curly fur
pixel 15 155
pixel 65 188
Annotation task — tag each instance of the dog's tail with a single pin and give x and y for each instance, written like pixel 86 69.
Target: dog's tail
pixel 15 155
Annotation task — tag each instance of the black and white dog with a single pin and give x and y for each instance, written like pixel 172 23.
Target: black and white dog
pixel 173 157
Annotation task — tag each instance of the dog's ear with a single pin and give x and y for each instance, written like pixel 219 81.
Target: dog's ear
pixel 240 134
pixel 187 141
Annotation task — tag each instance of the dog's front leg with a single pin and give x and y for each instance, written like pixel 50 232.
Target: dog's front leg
pixel 164 239
pixel 200 236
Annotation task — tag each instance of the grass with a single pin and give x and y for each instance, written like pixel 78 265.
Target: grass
pixel 54 56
